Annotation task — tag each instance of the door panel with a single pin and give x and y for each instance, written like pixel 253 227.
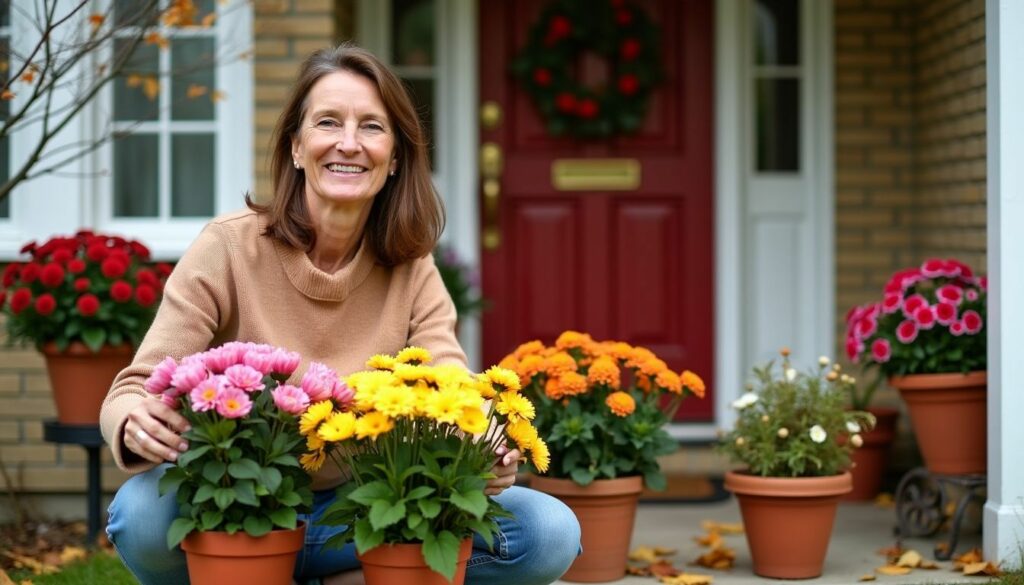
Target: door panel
pixel 633 265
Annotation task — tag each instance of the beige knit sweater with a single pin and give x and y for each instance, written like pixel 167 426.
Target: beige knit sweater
pixel 235 284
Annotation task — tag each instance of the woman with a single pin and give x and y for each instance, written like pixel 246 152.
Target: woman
pixel 338 268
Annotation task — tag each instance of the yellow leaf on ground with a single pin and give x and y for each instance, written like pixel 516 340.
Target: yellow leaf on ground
pixel 664 551
pixel 721 528
pixel 911 559
pixel 928 565
pixel 892 570
pixel 982 569
pixel 643 553
pixel 720 558
pixel 866 578
pixel 688 579
pixel 884 500
pixel 71 554
pixel 5 579
pixel 637 570
pixel 893 551
pixel 663 568
pixel 971 556
pixel 712 539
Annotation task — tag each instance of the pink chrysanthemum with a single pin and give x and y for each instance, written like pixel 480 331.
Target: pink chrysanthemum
pixel 957 328
pixel 853 349
pixel 284 362
pixel 972 322
pixel 892 303
pixel 906 332
pixel 188 375
pixel 945 313
pixel 290 399
pixel 204 395
pixel 160 379
pixel 233 403
pixel 319 381
pixel 912 304
pixel 951 294
pixel 244 377
pixel 925 317
pixel 260 360
pixel 342 394
pixel 881 351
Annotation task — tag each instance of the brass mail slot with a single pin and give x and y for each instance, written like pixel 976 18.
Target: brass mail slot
pixel 595 174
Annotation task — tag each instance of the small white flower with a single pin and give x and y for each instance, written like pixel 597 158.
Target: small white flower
pixel 783 432
pixel 824 361
pixel 744 401
pixel 852 426
pixel 740 441
pixel 846 379
pixel 790 374
pixel 765 418
pixel 818 434
pixel 856 441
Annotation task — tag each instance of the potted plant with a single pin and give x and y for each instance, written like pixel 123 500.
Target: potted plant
pixel 870 461
pixel 926 335
pixel 602 406
pixel 460 280
pixel 240 485
pixel 419 442
pixel 84 301
pixel 793 436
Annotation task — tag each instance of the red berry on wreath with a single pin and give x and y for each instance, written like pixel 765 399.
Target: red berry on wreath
pixel 542 77
pixel 565 102
pixel 618 3
pixel 587 108
pixel 559 28
pixel 628 84
pixel 623 16
pixel 629 49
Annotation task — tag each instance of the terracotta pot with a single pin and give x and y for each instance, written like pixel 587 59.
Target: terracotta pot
pixel 871 459
pixel 219 558
pixel 390 564
pixel 948 412
pixel 605 509
pixel 80 379
pixel 788 520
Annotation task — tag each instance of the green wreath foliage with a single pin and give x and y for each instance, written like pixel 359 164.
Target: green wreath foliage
pixel 618 31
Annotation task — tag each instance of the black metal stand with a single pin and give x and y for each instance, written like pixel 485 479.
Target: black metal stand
pixel 921 501
pixel 89 437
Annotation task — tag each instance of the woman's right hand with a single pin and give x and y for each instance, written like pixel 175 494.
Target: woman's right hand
pixel 153 431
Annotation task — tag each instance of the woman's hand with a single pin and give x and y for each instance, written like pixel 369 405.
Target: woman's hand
pixel 505 468
pixel 153 431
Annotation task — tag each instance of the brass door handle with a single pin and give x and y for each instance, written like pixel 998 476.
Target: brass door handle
pixel 491 166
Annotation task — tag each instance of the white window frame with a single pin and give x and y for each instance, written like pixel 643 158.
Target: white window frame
pixel 82 197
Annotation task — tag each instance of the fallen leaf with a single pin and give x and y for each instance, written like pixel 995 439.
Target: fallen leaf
pixel 892 570
pixel 866 578
pixel 942 548
pixel 911 559
pixel 664 551
pixel 688 579
pixel 721 528
pixel 5 579
pixel 720 558
pixel 71 554
pixel 971 556
pixel 638 570
pixel 712 539
pixel 984 569
pixel 928 565
pixel 643 553
pixel 663 568
pixel 891 553
pixel 885 500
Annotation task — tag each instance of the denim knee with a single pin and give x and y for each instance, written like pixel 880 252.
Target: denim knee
pixel 137 526
pixel 548 539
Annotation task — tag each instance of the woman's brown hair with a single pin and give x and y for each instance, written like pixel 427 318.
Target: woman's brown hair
pixel 407 215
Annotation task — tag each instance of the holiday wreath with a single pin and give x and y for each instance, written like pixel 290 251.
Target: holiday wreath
pixel 616 30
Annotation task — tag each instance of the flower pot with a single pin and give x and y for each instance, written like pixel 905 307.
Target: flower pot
pixel 605 509
pixel 219 558
pixel 80 379
pixel 788 520
pixel 871 459
pixel 948 412
pixel 390 564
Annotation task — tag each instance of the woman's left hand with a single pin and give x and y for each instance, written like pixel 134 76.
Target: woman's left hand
pixel 505 468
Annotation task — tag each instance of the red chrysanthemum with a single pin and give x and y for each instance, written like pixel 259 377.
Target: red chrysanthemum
pixel 121 291
pixel 628 84
pixel 623 16
pixel 45 304
pixel 62 255
pixel 542 77
pixel 114 267
pixel 145 295
pixel 76 266
pixel 629 49
pixel 52 275
pixel 30 272
pixel 88 305
pixel 881 351
pixel 587 108
pixel 146 276
pixel 82 284
pixel 20 300
pixel 565 102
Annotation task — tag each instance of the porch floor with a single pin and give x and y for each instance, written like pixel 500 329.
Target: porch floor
pixel 860 530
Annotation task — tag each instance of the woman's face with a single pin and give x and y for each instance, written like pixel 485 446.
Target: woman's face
pixel 345 143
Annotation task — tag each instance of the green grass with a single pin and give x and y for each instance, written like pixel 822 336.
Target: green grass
pixel 99 568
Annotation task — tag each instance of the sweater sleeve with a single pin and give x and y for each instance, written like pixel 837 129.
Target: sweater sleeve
pixel 197 301
pixel 432 326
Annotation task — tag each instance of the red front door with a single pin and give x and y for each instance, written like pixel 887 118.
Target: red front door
pixel 632 265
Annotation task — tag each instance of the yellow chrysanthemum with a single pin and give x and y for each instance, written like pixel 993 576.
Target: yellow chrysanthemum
pixel 472 421
pixel 338 427
pixel 415 373
pixel 421 397
pixel 515 406
pixel 372 425
pixel 485 387
pixel 523 433
pixel 413 355
pixel 315 415
pixel 529 367
pixel 620 403
pixel 694 383
pixel 559 363
pixel 313 461
pixel 540 456
pixel 451 375
pixel 572 384
pixel 445 406
pixel 670 381
pixel 365 385
pixel 395 401
pixel 381 362
pixel 314 442
pixel 530 347
pixel 507 379
pixel 604 371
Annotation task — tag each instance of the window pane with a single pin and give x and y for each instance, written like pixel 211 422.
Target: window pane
pixel 422 92
pixel 135 176
pixel 136 12
pixel 5 66
pixel 413 32
pixel 778 125
pixel 136 91
pixel 777 31
pixel 192 164
pixel 5 12
pixel 5 173
pixel 192 64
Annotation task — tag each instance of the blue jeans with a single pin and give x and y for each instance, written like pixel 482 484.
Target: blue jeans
pixel 534 548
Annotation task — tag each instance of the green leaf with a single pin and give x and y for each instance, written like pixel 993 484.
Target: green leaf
pixel 289 499
pixel 366 537
pixel 271 478
pixel 244 469
pixel 419 492
pixel 285 517
pixel 384 513
pixel 286 461
pixel 582 476
pixel 179 529
pixel 655 480
pixel 257 525
pixel 430 508
pixel 192 454
pixel 224 497
pixel 204 493
pixel 170 480
pixel 213 471
pixel 94 337
pixel 245 493
pixel 211 518
pixel 369 493
pixel 473 502
pixel 442 553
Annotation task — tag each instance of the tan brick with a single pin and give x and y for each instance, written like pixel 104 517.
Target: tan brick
pixel 37 384
pixel 12 454
pixel 275 95
pixel 28 407
pixel 263 8
pixel 871 20
pixel 865 178
pixel 10 431
pixel 275 72
pixel 10 385
pixel 303 47
pixel 295 26
pixel 32 430
pixel 271 48
pixel 322 6
pixel 21 359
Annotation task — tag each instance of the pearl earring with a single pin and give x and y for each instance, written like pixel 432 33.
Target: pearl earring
pixel 297 165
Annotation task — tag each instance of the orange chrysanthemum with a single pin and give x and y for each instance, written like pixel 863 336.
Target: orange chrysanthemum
pixel 529 367
pixel 509 362
pixel 552 389
pixel 572 384
pixel 621 403
pixel 528 348
pixel 653 367
pixel 573 339
pixel 670 381
pixel 559 363
pixel 619 350
pixel 638 356
pixel 604 371
pixel 693 383
pixel 644 383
